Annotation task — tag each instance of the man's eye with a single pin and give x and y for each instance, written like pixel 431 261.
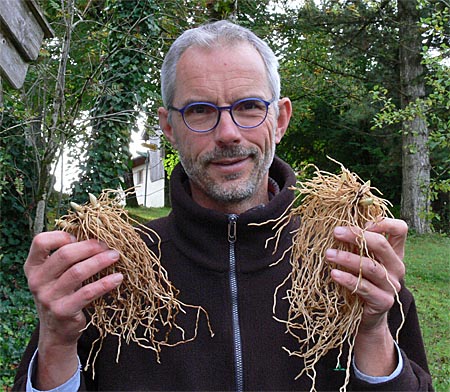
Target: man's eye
pixel 249 105
pixel 200 109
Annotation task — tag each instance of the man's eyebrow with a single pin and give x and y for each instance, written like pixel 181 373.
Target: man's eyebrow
pixel 191 100
pixel 199 100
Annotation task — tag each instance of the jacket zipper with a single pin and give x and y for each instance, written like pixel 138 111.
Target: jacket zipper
pixel 234 304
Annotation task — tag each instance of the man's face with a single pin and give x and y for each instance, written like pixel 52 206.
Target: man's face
pixel 227 167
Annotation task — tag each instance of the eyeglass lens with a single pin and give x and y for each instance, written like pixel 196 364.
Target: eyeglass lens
pixel 247 113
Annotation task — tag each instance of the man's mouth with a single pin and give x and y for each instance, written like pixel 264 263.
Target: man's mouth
pixel 228 161
pixel 230 165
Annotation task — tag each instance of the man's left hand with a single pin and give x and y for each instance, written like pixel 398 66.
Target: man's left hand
pixel 381 276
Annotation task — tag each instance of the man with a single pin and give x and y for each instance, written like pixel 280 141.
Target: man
pixel 222 112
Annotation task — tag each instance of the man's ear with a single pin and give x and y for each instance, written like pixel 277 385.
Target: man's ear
pixel 164 123
pixel 284 116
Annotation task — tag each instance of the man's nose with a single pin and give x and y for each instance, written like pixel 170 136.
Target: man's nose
pixel 227 131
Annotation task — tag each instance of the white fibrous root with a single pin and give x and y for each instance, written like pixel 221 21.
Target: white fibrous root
pixel 322 314
pixel 144 308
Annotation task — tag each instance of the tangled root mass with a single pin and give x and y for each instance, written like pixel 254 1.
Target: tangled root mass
pixel 322 314
pixel 143 309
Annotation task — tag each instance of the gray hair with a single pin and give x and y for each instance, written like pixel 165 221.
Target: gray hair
pixel 223 32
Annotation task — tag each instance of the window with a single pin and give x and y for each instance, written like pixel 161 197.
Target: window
pixel 156 165
pixel 140 176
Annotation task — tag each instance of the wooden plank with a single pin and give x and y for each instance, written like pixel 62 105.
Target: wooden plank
pixel 39 15
pixel 12 67
pixel 19 22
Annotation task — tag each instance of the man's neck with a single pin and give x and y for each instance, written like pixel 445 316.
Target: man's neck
pixel 239 207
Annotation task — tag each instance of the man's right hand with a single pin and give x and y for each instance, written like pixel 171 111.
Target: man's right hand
pixel 56 267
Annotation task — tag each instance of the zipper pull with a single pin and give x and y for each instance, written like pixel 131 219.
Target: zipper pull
pixel 232 228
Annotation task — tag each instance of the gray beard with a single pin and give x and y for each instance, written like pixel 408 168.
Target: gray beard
pixel 219 191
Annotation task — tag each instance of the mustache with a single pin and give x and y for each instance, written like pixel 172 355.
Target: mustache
pixel 229 152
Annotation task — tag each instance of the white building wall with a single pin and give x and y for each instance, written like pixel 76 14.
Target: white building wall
pixel 149 193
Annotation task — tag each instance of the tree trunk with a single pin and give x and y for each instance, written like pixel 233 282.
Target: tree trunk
pixel 415 202
pixel 46 146
pixel 167 198
pixel 39 220
pixel 132 200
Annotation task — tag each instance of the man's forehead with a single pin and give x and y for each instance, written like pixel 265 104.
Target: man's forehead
pixel 220 59
pixel 223 72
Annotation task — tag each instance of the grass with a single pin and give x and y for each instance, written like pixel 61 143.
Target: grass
pixel 143 214
pixel 428 277
pixel 140 214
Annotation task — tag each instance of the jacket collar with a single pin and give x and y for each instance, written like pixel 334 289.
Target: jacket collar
pixel 202 234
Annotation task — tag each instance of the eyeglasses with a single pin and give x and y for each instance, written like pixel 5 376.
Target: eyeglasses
pixel 203 117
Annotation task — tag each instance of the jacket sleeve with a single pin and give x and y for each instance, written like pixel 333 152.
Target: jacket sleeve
pixel 415 375
pixel 20 380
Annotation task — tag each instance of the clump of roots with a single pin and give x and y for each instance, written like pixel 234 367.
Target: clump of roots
pixel 322 314
pixel 143 309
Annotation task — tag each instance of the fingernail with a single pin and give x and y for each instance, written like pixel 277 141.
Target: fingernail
pixel 339 230
pixel 113 254
pixel 117 278
pixel 337 274
pixel 331 254
pixel 370 225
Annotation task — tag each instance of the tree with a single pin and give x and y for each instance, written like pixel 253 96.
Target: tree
pixel 131 31
pixel 41 128
pixel 426 93
pixel 338 57
pixel 42 116
pixel 415 204
pixel 332 56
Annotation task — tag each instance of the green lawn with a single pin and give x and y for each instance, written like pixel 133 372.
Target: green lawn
pixel 428 277
pixel 143 214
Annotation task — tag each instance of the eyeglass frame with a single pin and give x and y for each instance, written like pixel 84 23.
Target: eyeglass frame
pixel 220 109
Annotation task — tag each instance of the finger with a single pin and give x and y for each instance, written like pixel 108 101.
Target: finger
pixel 66 296
pixel 370 270
pixel 376 244
pixel 40 275
pixel 396 232
pixel 78 273
pixel 71 254
pixel 376 299
pixel 74 303
pixel 45 243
